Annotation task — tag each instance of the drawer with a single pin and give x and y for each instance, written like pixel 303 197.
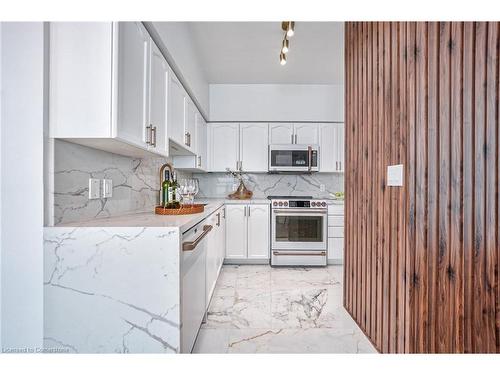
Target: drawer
pixel 337 232
pixel 335 209
pixel 335 221
pixel 336 248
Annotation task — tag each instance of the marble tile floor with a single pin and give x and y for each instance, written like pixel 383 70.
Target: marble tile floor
pixel 259 309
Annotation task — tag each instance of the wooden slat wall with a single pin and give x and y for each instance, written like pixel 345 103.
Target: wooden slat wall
pixel 421 261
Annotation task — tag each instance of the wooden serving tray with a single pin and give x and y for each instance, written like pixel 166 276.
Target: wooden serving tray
pixel 184 210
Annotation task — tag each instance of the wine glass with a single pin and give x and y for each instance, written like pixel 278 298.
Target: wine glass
pixel 194 188
pixel 183 189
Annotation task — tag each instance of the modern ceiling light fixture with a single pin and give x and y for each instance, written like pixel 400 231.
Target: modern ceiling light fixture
pixel 288 28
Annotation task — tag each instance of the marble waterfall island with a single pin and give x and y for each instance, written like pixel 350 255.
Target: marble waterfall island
pixel 113 285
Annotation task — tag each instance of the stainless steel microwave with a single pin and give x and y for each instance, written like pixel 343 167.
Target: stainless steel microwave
pixel 293 158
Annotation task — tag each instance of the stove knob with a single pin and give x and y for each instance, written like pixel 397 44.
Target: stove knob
pixel 285 204
pixel 281 204
pixel 323 204
pixel 275 203
pixel 313 204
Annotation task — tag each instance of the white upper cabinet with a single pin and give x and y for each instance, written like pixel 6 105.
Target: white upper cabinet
pixel 159 72
pixel 327 148
pixel 298 133
pixel 112 89
pixel 134 45
pixel 306 134
pixel 176 111
pixel 223 146
pixel 254 144
pixel 81 72
pixel 340 146
pixel 331 148
pixel 258 231
pixel 281 134
pixel 201 143
pixel 190 124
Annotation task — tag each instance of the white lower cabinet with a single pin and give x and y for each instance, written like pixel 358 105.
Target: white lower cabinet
pixel 215 251
pixel 336 233
pixel 247 231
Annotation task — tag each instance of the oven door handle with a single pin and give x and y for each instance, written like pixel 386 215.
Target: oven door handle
pixel 320 212
pixel 304 253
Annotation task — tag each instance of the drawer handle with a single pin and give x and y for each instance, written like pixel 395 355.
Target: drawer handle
pixel 191 245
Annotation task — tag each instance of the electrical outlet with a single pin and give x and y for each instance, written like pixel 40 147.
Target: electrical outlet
pixel 107 188
pixel 94 188
pixel 322 187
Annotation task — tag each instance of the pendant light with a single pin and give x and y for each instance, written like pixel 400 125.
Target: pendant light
pixel 282 58
pixel 285 45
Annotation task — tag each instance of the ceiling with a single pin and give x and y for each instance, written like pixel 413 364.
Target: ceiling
pixel 248 52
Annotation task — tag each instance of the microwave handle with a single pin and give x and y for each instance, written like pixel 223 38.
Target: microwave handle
pixel 309 158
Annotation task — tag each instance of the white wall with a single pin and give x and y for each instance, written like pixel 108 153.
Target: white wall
pixel 22 118
pixel 276 102
pixel 178 40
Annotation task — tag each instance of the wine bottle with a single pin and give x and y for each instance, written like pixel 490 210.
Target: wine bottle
pixel 165 189
pixel 173 202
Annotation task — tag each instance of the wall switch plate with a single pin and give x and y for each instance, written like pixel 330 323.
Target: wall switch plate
pixel 395 175
pixel 322 187
pixel 94 188
pixel 107 188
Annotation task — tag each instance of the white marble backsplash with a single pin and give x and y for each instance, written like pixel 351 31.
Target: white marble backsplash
pixel 135 183
pixel 218 185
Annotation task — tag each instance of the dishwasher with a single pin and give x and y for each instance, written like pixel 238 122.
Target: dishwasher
pixel 193 287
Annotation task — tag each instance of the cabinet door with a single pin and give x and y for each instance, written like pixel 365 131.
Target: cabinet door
pixel 254 147
pixel 258 231
pixel 328 148
pixel 158 100
pixel 281 134
pixel 201 143
pixel 212 257
pixel 190 124
pixel 223 146
pixel 236 231
pixel 336 249
pixel 306 134
pixel 133 80
pixel 340 142
pixel 222 239
pixel 175 130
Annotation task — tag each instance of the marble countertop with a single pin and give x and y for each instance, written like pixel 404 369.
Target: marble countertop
pixel 150 219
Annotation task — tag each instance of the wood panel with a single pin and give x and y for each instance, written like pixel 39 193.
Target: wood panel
pixel 421 270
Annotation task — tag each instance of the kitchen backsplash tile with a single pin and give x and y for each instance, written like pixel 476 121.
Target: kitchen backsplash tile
pixel 135 183
pixel 218 185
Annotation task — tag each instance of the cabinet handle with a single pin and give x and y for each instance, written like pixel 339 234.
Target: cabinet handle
pixel 295 138
pixel 336 165
pixel 249 211
pixel 199 161
pixel 189 139
pixel 224 213
pixel 218 219
pixel 148 134
pixel 245 211
pixel 292 137
pixel 340 165
pixel 241 165
pixel 153 136
pixel 186 139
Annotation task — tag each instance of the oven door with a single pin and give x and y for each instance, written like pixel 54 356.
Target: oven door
pixel 289 158
pixel 300 229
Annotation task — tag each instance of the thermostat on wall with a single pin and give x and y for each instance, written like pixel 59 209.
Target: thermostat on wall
pixel 395 175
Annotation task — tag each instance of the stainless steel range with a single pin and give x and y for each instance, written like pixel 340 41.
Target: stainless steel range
pixel 298 231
